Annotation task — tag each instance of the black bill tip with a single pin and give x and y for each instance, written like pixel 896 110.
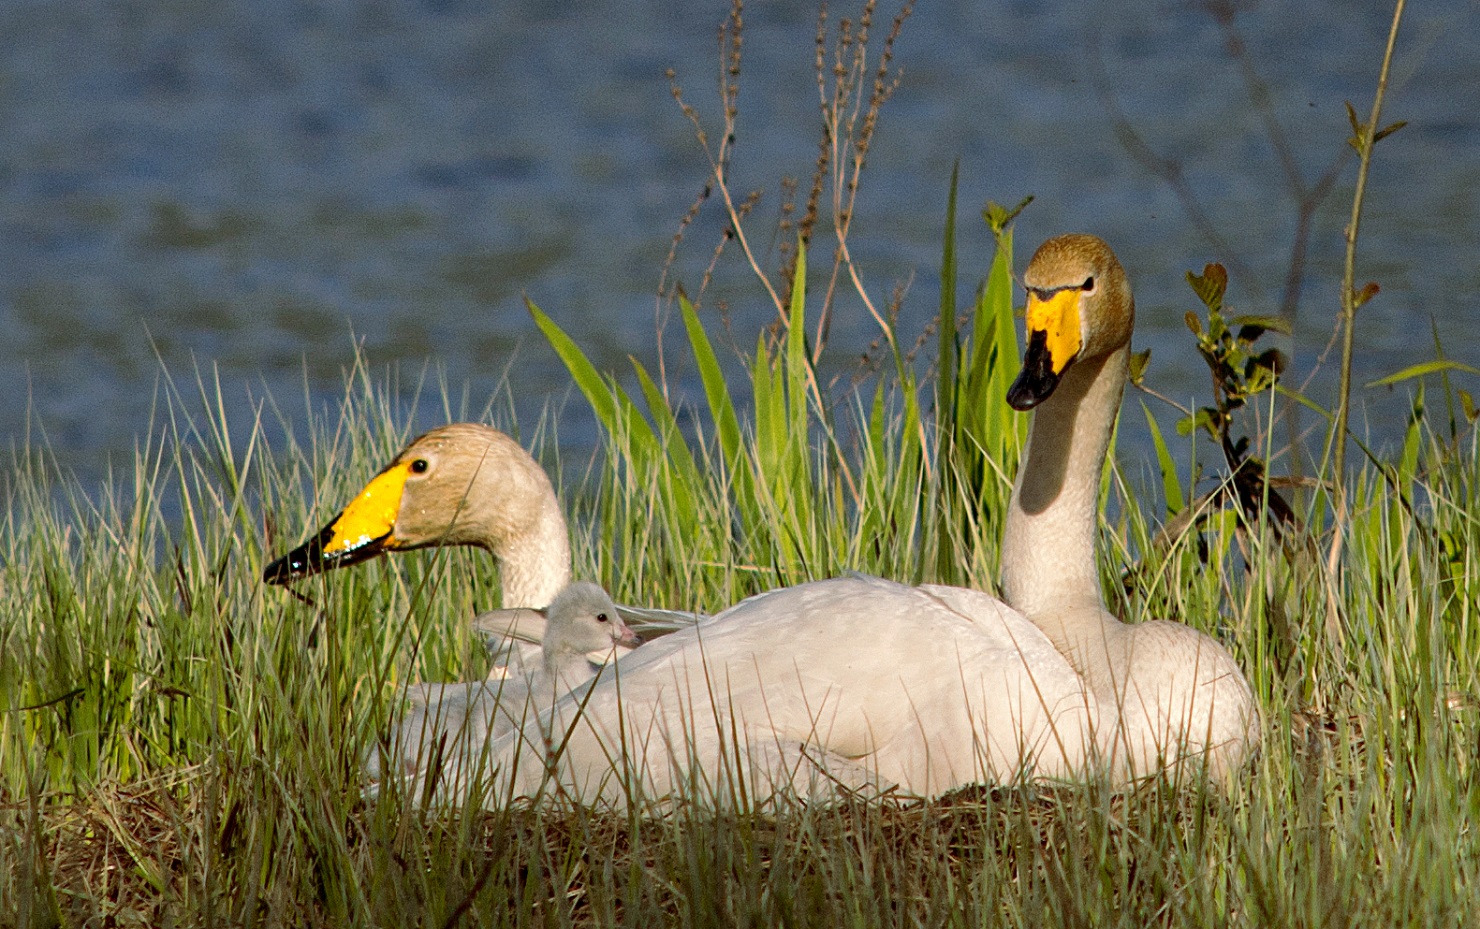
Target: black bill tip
pixel 309 559
pixel 1037 381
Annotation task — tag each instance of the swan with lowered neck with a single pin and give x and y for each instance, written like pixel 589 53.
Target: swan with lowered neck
pixel 1165 690
pixel 459 484
pixel 465 484
pixel 858 683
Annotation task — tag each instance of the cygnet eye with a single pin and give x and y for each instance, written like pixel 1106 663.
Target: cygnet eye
pixel 601 618
pixel 420 466
pixel 1088 285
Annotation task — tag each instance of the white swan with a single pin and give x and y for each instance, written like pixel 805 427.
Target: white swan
pixel 465 484
pixel 862 684
pixel 444 726
pixel 1165 690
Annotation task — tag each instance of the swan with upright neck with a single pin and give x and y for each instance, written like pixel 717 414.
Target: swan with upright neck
pixel 1165 690
pixel 860 684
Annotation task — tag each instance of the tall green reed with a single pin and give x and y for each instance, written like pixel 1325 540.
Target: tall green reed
pixel 803 484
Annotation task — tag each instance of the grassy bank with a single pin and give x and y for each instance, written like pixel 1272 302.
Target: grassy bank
pixel 180 745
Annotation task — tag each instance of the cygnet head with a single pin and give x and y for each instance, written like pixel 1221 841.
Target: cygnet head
pixel 583 619
pixel 1079 307
pixel 460 484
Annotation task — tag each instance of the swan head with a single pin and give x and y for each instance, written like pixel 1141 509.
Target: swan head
pixel 460 484
pixel 1079 307
pixel 583 619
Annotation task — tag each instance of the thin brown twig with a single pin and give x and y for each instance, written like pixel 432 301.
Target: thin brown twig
pixel 850 117
pixel 1169 170
pixel 852 90
pixel 1349 296
pixel 1366 139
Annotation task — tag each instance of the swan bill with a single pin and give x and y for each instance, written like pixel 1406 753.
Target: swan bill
pixel 361 531
pixel 1054 341
pixel 312 557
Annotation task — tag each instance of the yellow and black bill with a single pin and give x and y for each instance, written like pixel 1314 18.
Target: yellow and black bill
pixel 318 555
pixel 363 530
pixel 1054 340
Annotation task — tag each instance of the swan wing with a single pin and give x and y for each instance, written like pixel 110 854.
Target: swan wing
pixel 650 622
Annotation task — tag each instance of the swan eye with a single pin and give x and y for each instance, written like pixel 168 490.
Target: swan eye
pixel 419 466
pixel 601 618
pixel 1088 285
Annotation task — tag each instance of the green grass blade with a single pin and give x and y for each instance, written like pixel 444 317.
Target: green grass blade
pixel 1419 370
pixel 716 390
pixel 1412 435
pixel 590 382
pixel 798 367
pixel 615 411
pixel 673 443
pixel 1171 485
pixel 947 388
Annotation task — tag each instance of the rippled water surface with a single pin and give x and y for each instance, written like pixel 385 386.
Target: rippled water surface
pixel 252 187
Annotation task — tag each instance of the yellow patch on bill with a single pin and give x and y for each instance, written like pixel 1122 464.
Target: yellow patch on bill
pixel 371 515
pixel 1058 318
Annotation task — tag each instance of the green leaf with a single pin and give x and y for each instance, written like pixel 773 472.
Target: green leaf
pixel 1467 402
pixel 1386 131
pixel 1304 401
pixel 797 364
pixel 615 411
pixel 1210 285
pixel 991 423
pixel 770 408
pixel 1217 327
pixel 716 391
pixel 1171 486
pixel 946 387
pixel 876 429
pixel 1421 369
pixel 606 399
pixel 1408 462
pixel 585 374
pixel 1202 419
pixel 1193 323
pixel 1252 327
pixel 1140 361
pixel 672 438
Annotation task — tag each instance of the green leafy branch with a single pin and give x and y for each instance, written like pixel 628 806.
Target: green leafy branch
pixel 1241 371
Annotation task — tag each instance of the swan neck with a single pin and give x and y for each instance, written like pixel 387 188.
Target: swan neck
pixel 564 669
pixel 1048 548
pixel 534 563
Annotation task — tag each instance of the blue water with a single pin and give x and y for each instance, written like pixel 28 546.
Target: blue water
pixel 253 188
